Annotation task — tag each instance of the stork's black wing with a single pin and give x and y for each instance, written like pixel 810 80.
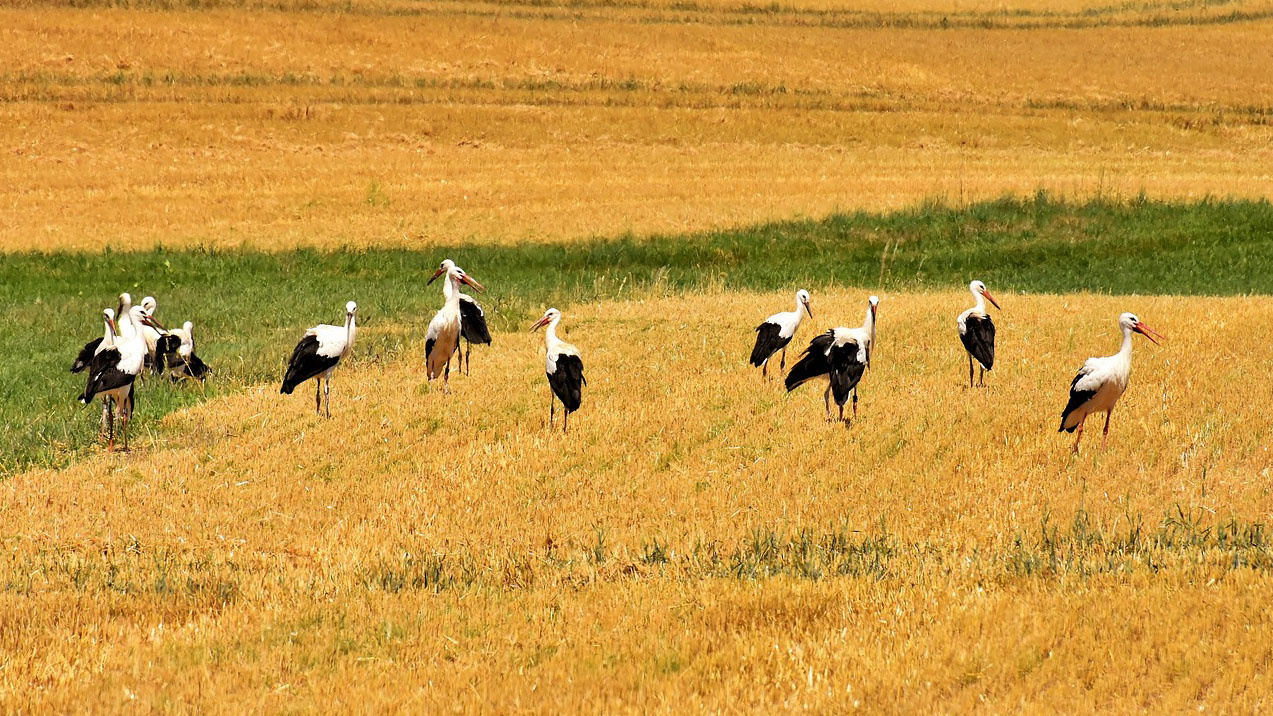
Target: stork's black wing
pixel 567 381
pixel 979 339
pixel 846 370
pixel 86 356
pixel 306 363
pixel 196 368
pixel 104 375
pixel 813 362
pixel 768 342
pixel 1077 398
pixel 473 322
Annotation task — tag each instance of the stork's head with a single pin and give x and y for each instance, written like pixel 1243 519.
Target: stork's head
pixel 188 326
pixel 979 289
pixel 803 297
pixel 874 303
pixel 125 303
pixel 446 267
pixel 141 318
pixel 550 315
pixel 149 304
pixel 351 308
pixel 1129 322
pixel 108 315
pixel 462 276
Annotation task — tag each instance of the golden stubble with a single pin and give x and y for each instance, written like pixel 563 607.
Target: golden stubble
pixel 245 554
pixel 278 129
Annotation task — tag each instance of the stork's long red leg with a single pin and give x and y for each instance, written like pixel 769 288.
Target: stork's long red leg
pixel 1105 434
pixel 783 365
pixel 552 409
pixel 969 371
pixel 1080 435
pixel 318 395
pixel 327 393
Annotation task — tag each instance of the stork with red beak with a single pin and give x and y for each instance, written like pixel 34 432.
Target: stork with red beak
pixel 977 332
pixel 112 371
pixel 443 336
pixel 564 369
pixel 1102 381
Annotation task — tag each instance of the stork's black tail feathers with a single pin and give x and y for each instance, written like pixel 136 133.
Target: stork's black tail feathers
pixel 813 362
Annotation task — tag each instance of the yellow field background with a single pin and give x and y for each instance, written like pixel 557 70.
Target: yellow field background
pixel 420 124
pixel 448 552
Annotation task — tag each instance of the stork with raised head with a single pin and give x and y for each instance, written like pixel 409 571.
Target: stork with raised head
pixel 1102 381
pixel 776 332
pixel 113 371
pixel 840 354
pixel 94 346
pixel 564 369
pixel 160 342
pixel 473 327
pixel 321 349
pixel 183 363
pixel 977 331
pixel 443 337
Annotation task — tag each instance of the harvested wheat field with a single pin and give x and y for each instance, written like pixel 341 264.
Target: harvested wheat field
pixel 415 124
pixel 699 540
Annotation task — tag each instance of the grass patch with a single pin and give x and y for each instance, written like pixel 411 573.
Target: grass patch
pixel 251 306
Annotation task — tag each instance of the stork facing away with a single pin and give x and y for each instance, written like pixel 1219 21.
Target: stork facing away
pixel 443 337
pixel 841 354
pixel 1102 381
pixel 564 369
pixel 977 332
pixel 112 373
pixel 776 332
pixel 473 327
pixel 316 356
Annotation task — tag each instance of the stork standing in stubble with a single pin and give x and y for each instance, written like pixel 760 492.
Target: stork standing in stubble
pixel 443 337
pixel 977 332
pixel 776 332
pixel 1102 381
pixel 842 354
pixel 563 367
pixel 113 370
pixel 473 328
pixel 316 356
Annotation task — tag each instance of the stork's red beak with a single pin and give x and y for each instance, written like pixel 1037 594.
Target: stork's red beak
pixel 990 298
pixel 1148 332
pixel 153 323
pixel 539 323
pixel 114 328
pixel 469 280
pixel 808 310
pixel 437 273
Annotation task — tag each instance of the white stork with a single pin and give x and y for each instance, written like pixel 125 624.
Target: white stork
pixel 123 328
pixel 841 354
pixel 776 332
pixel 113 371
pixel 318 354
pixel 1101 381
pixel 473 327
pixel 564 369
pixel 977 331
pixel 443 336
pixel 186 364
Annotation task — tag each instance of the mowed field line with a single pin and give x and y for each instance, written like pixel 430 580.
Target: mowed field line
pixel 127 129
pixel 696 532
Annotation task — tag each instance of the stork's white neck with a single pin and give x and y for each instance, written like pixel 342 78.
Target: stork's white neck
pixel 108 338
pixel 1126 350
pixel 350 329
pixel 550 335
pixel 451 290
pixel 868 325
pixel 799 311
pixel 980 299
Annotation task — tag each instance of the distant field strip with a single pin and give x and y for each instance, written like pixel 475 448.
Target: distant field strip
pixel 128 128
pixel 698 535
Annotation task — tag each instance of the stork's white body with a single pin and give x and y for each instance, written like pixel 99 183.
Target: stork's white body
pixel 443 336
pixel 149 334
pixel 1100 383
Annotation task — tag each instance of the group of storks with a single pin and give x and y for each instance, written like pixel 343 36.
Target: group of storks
pixel 843 355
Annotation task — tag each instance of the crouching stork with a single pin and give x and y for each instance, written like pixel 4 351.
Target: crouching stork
pixel 318 354
pixel 839 354
pixel 564 368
